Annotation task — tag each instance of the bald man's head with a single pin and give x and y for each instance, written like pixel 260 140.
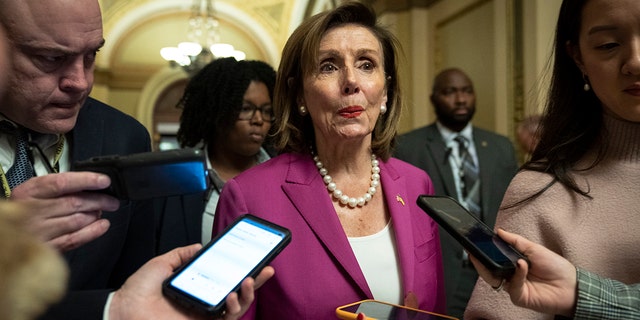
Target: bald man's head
pixel 453 99
pixel 52 49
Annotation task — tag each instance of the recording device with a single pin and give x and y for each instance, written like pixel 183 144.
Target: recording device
pixel 475 236
pixel 151 174
pixel 238 252
pixel 379 310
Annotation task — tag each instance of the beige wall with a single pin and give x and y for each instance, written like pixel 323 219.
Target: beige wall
pixel 539 25
pixel 468 39
pixel 129 67
pixel 476 35
pixel 481 37
pixel 460 33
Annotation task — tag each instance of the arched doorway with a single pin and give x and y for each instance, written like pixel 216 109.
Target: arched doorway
pixel 166 116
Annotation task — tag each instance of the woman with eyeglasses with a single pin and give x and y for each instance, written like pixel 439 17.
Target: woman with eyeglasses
pixel 227 112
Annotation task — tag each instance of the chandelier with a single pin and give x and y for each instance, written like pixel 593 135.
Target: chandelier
pixel 203 41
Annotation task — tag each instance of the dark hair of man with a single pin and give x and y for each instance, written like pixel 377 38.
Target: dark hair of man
pixel 213 98
pixel 572 121
pixel 294 132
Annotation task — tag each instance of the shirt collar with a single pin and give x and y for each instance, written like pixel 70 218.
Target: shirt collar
pixel 448 135
pixel 44 140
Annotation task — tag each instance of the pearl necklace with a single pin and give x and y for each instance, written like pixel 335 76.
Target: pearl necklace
pixel 337 193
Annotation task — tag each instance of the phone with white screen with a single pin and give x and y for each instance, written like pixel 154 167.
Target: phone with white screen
pixel 473 234
pixel 240 251
pixel 378 310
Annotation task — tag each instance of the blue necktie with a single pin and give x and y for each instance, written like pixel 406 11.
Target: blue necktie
pixel 22 169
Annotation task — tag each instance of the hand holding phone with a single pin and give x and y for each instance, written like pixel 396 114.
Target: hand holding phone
pixel 378 310
pixel 475 236
pixel 240 251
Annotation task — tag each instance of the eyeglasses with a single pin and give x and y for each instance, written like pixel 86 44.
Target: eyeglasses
pixel 249 110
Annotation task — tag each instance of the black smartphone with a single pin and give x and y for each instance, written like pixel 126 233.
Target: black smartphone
pixel 474 235
pixel 379 310
pixel 151 174
pixel 240 251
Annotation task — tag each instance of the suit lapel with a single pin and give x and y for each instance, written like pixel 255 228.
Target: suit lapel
pixel 85 133
pixel 301 186
pixel 440 156
pixel 398 202
pixel 193 207
pixel 482 145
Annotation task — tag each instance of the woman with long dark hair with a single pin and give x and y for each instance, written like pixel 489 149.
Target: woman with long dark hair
pixel 578 195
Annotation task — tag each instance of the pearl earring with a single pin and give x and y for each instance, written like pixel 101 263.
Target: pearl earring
pixel 586 86
pixel 383 109
pixel 303 110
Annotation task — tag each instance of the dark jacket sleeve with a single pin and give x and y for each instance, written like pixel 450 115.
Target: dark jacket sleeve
pixel 101 266
pixel 179 221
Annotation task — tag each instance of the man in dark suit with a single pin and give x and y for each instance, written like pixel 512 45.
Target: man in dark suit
pixel 435 148
pixel 104 241
pixel 47 123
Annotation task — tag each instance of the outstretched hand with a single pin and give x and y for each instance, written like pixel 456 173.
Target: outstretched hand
pixel 60 212
pixel 548 286
pixel 141 295
pixel 237 306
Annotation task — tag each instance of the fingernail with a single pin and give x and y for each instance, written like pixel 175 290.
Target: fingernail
pixel 360 316
pixel 103 181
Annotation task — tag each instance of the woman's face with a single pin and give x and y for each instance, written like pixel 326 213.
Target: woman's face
pixel 246 136
pixel 609 54
pixel 344 92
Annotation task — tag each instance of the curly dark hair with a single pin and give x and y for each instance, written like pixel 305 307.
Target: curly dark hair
pixel 212 99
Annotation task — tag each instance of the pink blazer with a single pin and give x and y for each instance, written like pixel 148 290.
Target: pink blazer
pixel 318 271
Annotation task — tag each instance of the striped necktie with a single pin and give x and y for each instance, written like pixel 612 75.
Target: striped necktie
pixel 22 169
pixel 469 177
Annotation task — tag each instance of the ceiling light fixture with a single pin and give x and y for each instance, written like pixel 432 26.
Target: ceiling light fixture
pixel 203 41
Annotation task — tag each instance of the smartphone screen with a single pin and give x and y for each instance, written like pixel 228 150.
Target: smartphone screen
pixel 385 311
pixel 474 235
pixel 241 251
pixel 162 180
pixel 471 228
pixel 151 174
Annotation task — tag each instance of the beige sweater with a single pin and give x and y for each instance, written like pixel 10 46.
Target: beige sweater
pixel 601 235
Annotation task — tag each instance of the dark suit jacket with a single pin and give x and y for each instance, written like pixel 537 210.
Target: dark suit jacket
pixel 424 148
pixel 179 222
pixel 103 265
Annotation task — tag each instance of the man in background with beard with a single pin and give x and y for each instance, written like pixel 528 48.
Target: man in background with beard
pixel 465 162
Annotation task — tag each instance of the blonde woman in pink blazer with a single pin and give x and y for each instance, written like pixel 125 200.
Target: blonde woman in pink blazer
pixel 357 231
